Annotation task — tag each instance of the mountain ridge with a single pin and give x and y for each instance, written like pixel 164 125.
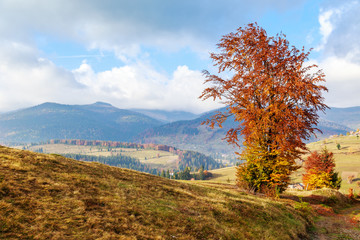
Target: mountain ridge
pixel 98 121
pixel 102 121
pixel 193 135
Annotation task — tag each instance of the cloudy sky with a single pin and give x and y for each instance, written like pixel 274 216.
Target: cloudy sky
pixel 150 54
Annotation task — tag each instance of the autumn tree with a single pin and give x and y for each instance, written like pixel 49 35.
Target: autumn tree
pixel 273 96
pixel 320 171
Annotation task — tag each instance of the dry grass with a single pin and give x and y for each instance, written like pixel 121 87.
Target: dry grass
pixel 224 175
pixel 347 160
pixel 51 197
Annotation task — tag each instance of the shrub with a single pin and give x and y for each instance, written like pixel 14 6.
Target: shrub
pixel 320 172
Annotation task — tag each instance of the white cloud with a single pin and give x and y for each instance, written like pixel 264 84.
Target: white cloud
pixel 340 28
pixel 342 81
pixel 140 86
pixel 26 80
pixel 126 26
pixel 340 52
pixel 326 27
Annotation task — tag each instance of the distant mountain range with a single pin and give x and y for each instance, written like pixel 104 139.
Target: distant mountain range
pixel 167 116
pixel 193 135
pixel 102 121
pixel 349 117
pixel 99 121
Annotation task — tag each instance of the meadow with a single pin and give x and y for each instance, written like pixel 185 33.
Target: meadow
pixel 51 197
pixel 155 158
pixel 347 160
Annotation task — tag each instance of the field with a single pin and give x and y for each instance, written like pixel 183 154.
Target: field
pixel 347 158
pixel 51 197
pixel 224 175
pixel 155 158
pixel 347 162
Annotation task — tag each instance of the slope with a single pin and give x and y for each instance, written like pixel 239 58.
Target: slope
pixel 347 157
pixel 49 196
pixel 346 116
pixel 99 121
pixel 193 135
pixel 166 116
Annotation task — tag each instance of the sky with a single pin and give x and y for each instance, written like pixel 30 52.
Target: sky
pixel 150 54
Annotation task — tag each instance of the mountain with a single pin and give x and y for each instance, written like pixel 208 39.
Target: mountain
pixel 349 117
pixel 52 197
pixel 193 135
pixel 98 121
pixel 167 116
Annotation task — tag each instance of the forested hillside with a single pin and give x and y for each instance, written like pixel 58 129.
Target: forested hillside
pixel 99 121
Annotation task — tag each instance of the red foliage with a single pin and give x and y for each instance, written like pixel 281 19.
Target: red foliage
pixel 323 162
pixel 319 171
pixel 273 96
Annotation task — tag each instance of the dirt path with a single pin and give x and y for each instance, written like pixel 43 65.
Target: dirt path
pixel 344 224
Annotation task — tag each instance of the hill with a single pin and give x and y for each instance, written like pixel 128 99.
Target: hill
pixel 347 160
pixel 99 121
pixel 193 135
pixel 166 116
pixel 52 197
pixel 349 117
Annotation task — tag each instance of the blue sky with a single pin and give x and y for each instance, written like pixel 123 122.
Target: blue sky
pixel 150 54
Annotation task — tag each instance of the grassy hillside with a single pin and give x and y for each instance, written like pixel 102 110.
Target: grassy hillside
pixel 347 162
pixel 347 158
pixel 51 197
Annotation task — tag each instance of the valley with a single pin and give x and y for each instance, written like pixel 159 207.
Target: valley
pixel 154 158
pixel 151 158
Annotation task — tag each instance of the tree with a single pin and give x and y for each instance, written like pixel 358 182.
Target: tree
pixel 319 171
pixel 201 173
pixel 185 175
pixel 273 96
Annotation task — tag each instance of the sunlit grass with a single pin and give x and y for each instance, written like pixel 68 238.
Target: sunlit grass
pixel 347 160
pixel 51 197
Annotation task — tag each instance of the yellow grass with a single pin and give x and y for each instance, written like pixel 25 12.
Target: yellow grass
pixel 224 175
pixel 51 197
pixel 347 160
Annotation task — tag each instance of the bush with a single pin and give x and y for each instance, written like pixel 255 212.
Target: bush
pixel 320 172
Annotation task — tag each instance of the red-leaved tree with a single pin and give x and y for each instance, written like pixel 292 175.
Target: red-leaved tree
pixel 320 171
pixel 273 96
